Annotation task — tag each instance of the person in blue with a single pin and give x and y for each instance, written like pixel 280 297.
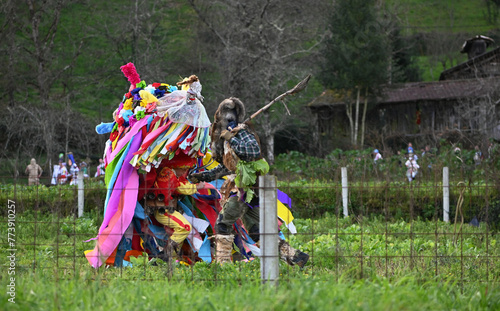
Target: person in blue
pixel 377 155
pixel 410 148
pixel 478 156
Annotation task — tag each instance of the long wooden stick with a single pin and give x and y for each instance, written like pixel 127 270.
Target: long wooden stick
pixel 299 87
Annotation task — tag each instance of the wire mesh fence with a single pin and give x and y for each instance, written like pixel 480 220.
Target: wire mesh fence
pixel 394 228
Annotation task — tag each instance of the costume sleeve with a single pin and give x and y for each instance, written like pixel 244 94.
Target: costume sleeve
pixel 217 172
pixel 245 146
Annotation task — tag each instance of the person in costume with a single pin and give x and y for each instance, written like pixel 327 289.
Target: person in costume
pixel 412 167
pixel 84 168
pixel 62 174
pixel 153 126
pixel 237 149
pixel 100 169
pixel 34 171
pixel 410 148
pixel 165 187
pixel 73 169
pixel 377 156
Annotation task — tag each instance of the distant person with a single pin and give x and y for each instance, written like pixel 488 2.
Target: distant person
pixel 401 158
pixel 55 173
pixel 412 166
pixel 377 155
pixel 410 148
pixel 73 169
pixel 84 169
pixel 492 149
pixel 428 154
pixel 478 156
pixel 100 169
pixel 62 174
pixel 34 172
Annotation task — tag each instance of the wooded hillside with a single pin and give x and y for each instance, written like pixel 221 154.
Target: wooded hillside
pixel 61 60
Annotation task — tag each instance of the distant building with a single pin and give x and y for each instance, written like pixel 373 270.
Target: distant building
pixel 465 101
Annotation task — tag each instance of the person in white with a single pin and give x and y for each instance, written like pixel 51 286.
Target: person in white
pixel 100 169
pixel 73 171
pixel 412 166
pixel 378 156
pixel 62 174
pixel 55 174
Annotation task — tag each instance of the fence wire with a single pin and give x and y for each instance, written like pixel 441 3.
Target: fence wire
pixel 393 228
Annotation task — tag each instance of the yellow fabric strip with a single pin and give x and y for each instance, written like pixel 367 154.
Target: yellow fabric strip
pixel 186 188
pixel 284 213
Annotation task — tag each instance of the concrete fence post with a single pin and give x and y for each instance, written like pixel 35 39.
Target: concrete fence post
pixel 81 193
pixel 345 191
pixel 446 195
pixel 269 264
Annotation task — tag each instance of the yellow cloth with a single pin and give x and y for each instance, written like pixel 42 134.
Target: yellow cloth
pixel 284 213
pixel 128 104
pixel 177 223
pixel 186 188
pixel 147 98
pixel 207 158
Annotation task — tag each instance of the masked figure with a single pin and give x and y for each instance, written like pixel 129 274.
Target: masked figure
pixel 237 148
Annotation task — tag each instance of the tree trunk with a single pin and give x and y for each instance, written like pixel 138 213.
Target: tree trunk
pixel 363 119
pixel 356 119
pixel 348 110
pixel 270 149
pixel 268 140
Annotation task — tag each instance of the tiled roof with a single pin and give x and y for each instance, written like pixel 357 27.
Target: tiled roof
pixel 487 58
pixel 328 98
pixel 442 90
pixel 418 91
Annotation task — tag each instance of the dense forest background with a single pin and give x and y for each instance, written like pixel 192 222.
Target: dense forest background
pixel 61 60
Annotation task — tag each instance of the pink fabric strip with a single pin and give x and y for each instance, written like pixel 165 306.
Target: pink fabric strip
pixel 122 142
pixel 120 209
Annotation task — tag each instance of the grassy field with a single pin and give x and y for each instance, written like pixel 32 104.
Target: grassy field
pixel 355 265
pixel 302 293
pixel 443 15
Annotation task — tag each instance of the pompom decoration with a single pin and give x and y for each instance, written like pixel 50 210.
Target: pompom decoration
pixel 130 73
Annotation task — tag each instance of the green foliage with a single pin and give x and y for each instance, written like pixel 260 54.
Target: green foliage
pixel 357 53
pixel 314 184
pixel 246 175
pixel 58 200
pixel 375 247
pixel 389 264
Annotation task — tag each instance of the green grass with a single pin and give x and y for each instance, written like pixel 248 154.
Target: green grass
pixel 356 264
pixel 443 15
pixel 302 293
pixel 349 248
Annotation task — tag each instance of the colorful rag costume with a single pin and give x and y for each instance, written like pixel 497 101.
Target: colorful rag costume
pixel 153 125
